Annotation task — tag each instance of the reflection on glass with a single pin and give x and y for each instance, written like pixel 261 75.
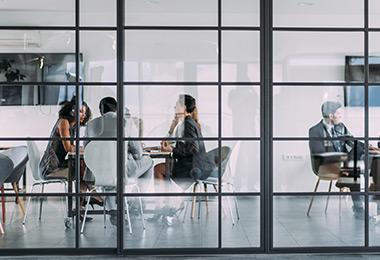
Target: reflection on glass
pixel 373 60
pixel 374 7
pixel 241 168
pixel 240 12
pixel 337 13
pixel 170 56
pixel 37 233
pixel 298 108
pixel 99 229
pixel 241 56
pixel 241 111
pixel 100 61
pixel 294 160
pixel 337 226
pixel 171 13
pixel 241 222
pixel 314 56
pixel 374 105
pixel 170 223
pixel 37 13
pixel 97 12
pixel 155 118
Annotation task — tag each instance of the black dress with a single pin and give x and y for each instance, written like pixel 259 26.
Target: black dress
pixel 54 157
pixel 190 155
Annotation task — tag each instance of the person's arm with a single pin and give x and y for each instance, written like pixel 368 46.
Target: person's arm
pixel 189 147
pixel 64 132
pixel 316 146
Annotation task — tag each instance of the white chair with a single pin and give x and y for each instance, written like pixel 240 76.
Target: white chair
pixel 227 179
pixel 34 155
pixel 100 158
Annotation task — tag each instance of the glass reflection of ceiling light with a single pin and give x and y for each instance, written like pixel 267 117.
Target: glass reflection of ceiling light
pixel 114 44
pixel 307 4
pixel 68 38
pixel 154 1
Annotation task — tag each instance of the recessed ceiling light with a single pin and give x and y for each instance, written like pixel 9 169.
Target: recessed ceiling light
pixel 306 3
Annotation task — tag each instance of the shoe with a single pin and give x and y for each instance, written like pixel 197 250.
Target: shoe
pixel 88 219
pixel 94 201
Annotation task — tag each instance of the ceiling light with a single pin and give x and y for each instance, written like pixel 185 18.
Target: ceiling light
pixel 306 4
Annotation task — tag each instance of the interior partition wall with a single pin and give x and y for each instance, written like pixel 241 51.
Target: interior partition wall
pixel 259 74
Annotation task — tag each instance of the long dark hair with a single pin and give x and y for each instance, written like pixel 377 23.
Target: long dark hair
pixel 68 110
pixel 191 107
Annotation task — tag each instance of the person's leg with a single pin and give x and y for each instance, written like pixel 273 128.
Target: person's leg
pixel 159 171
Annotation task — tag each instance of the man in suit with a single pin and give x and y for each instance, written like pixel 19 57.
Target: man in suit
pixel 330 127
pixel 105 126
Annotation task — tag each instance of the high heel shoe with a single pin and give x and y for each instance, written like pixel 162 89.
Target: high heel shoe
pixel 94 201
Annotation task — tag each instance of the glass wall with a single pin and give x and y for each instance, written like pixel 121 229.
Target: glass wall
pixel 177 126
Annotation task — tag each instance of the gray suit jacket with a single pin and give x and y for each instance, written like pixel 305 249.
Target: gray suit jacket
pixel 105 126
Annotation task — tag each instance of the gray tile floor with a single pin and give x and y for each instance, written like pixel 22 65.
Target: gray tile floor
pixel 292 228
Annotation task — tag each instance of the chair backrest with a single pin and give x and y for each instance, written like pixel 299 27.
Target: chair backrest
pixel 6 167
pixel 225 155
pixel 100 158
pixel 34 155
pixel 19 157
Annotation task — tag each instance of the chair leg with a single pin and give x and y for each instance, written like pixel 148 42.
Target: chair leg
pixel 128 216
pixel 193 201
pixel 66 198
pixel 199 202
pixel 206 197
pixel 312 198
pixel 1 229
pixel 20 202
pixel 328 198
pixel 236 202
pixel 41 200
pixel 104 211
pixel 340 204
pixel 85 213
pixel 3 204
pixel 230 208
pixel 141 207
pixel 28 203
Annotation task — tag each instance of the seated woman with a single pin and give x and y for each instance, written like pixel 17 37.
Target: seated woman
pixel 53 162
pixel 190 159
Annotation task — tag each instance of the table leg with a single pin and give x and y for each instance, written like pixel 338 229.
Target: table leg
pixel 3 203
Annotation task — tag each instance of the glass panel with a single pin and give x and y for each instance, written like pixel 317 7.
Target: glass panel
pixel 241 56
pixel 314 56
pixel 37 120
pixel 172 173
pixel 374 60
pixel 374 217
pixel 100 227
pixel 297 108
pixel 37 13
pixel 156 118
pixel 337 227
pixel 374 7
pixel 241 222
pixel 37 56
pixel 298 164
pixel 171 56
pixel 47 232
pixel 99 59
pixel 241 111
pixel 169 223
pixel 374 108
pixel 240 12
pixel 97 12
pixel 322 13
pixel 171 12
pixel 241 170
